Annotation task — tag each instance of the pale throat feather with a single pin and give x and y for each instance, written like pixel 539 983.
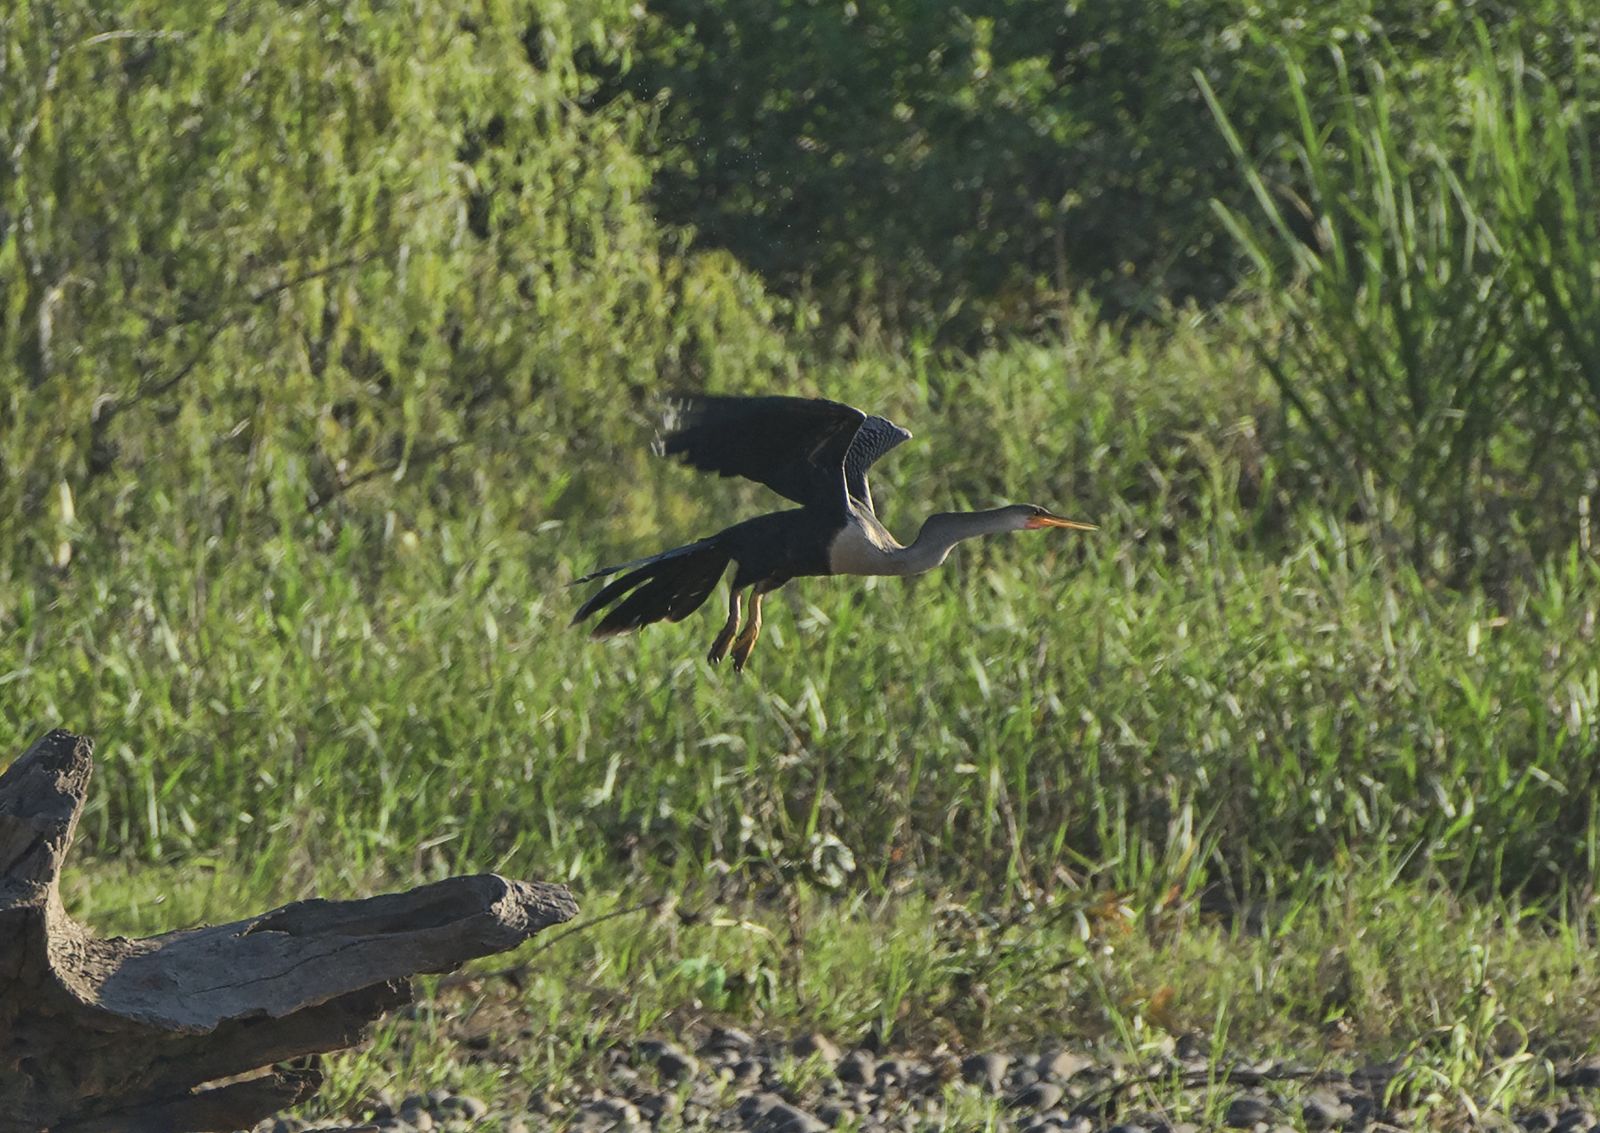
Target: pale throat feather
pixel 864 546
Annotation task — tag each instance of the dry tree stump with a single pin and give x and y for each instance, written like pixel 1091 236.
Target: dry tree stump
pixel 181 1031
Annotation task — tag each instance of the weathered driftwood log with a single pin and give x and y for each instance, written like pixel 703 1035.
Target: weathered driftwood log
pixel 181 1031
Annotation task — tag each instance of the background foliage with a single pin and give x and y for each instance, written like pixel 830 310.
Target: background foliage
pixel 331 338
pixel 962 170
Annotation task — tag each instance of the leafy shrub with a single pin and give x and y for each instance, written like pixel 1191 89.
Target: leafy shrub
pixel 253 262
pixel 1433 298
pixel 963 168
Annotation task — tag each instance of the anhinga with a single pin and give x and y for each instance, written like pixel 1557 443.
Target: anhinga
pixel 815 453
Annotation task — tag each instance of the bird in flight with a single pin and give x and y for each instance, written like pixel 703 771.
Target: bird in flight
pixel 815 453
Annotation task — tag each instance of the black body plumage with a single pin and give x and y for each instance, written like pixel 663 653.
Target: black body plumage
pixel 817 453
pixel 811 451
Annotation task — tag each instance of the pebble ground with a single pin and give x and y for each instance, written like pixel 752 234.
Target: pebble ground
pixel 727 1079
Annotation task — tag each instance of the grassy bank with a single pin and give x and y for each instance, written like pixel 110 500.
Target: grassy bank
pixel 330 352
pixel 1220 684
pixel 1474 1005
pixel 1233 767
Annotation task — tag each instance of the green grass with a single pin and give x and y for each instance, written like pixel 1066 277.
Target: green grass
pixel 1001 803
pixel 1429 272
pixel 1339 970
pixel 1203 690
pixel 314 397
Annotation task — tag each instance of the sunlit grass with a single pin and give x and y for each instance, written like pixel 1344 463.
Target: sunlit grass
pixel 1039 706
pixel 1338 971
pixel 1227 767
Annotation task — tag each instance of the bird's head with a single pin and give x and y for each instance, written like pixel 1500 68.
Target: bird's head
pixel 1031 517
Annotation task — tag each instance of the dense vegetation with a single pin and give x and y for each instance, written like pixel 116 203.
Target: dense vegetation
pixel 330 337
pixel 962 170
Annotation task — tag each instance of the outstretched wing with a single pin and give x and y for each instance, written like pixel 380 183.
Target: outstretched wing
pixel 875 437
pixel 796 446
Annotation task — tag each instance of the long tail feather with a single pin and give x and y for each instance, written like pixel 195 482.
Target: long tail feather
pixel 665 587
pixel 603 572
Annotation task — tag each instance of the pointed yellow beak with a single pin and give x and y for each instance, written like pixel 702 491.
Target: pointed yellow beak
pixel 1048 520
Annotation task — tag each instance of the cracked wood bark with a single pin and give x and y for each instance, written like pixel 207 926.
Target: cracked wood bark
pixel 181 1032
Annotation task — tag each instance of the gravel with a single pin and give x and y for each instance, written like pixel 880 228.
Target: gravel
pixel 987 1071
pixel 858 1068
pixel 729 1080
pixel 1324 1109
pixel 814 1044
pixel 1039 1096
pixel 1248 1112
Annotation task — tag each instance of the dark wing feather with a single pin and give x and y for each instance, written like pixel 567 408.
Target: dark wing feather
pixel 876 437
pixel 794 445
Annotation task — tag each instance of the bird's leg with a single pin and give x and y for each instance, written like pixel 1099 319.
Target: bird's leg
pixel 746 641
pixel 719 647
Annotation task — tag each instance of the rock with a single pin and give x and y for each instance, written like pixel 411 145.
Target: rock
pixel 832 1113
pixel 671 1060
pixel 1247 1112
pixel 612 1111
pixel 1061 1065
pixel 655 1105
pixel 1580 1075
pixel 1039 1096
pixel 752 1106
pixel 814 1044
pixel 768 1113
pixel 724 1039
pixel 986 1071
pixel 465 1106
pixel 895 1071
pixel 1322 1109
pixel 788 1118
pixel 858 1068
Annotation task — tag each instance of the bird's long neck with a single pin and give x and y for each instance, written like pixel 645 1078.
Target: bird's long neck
pixel 943 531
